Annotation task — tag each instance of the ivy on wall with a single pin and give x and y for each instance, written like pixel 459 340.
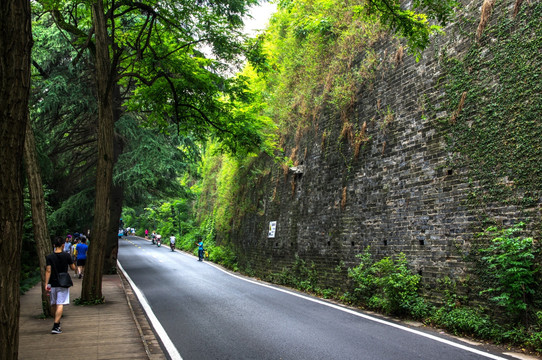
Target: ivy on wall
pixel 495 93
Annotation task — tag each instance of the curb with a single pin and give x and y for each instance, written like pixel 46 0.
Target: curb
pixel 153 347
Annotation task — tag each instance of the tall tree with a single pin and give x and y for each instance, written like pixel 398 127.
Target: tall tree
pixel 92 283
pixel 15 46
pixel 155 45
pixel 39 216
pixel 63 115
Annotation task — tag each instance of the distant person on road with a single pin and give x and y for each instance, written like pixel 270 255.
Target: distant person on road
pixel 82 249
pixel 67 245
pixel 200 250
pixel 57 262
pixel 69 238
pixel 172 242
pixel 146 233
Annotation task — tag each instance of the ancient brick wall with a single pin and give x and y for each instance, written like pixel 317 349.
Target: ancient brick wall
pixel 397 194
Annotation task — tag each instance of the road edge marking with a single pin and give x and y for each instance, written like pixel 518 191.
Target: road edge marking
pixel 162 334
pixel 368 317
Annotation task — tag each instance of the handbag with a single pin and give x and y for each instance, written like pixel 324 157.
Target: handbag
pixel 64 279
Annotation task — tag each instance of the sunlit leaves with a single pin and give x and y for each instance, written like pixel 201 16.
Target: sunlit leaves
pixel 410 23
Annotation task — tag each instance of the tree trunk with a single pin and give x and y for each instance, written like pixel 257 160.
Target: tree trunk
pixel 37 202
pixel 92 282
pixel 15 46
pixel 117 192
pixel 112 246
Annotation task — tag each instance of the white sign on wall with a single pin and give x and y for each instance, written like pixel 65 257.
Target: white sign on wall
pixel 272 229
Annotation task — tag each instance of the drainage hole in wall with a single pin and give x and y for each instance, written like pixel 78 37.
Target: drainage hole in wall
pixel 385 242
pixel 422 242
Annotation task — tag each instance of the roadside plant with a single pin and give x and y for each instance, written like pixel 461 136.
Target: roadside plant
pixel 510 261
pixel 466 321
pixel 386 285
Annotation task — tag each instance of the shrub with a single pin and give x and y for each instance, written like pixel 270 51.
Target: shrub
pixel 466 321
pixel 299 276
pixel 510 262
pixel 386 285
pixel 224 256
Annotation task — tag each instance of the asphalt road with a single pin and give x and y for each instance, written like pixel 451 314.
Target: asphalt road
pixel 209 313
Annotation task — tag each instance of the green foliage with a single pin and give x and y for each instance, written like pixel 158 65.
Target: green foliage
pixel 96 301
pixel 535 334
pixel 510 260
pixel 63 111
pixel 449 290
pixel 70 214
pixel 29 278
pixel 152 162
pixel 466 321
pixel 224 256
pixel 493 97
pixel 530 337
pixel 320 52
pixel 317 52
pixel 30 272
pixel 160 70
pixel 386 285
pixel 299 275
pixel 413 26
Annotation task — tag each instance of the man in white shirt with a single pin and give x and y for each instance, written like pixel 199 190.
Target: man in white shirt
pixel 172 242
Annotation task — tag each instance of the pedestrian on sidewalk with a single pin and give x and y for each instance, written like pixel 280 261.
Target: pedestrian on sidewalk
pixel 82 249
pixel 68 244
pixel 74 254
pixel 60 296
pixel 69 238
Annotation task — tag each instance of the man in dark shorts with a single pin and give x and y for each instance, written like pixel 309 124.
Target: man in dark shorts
pixel 57 262
pixel 82 249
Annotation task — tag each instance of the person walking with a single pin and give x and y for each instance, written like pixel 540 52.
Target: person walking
pixel 82 249
pixel 74 254
pixel 56 263
pixel 68 245
pixel 200 250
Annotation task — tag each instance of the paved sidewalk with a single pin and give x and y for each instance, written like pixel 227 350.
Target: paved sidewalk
pixel 117 329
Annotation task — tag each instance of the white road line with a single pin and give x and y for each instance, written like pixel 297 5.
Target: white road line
pixel 340 308
pixel 397 326
pixel 168 344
